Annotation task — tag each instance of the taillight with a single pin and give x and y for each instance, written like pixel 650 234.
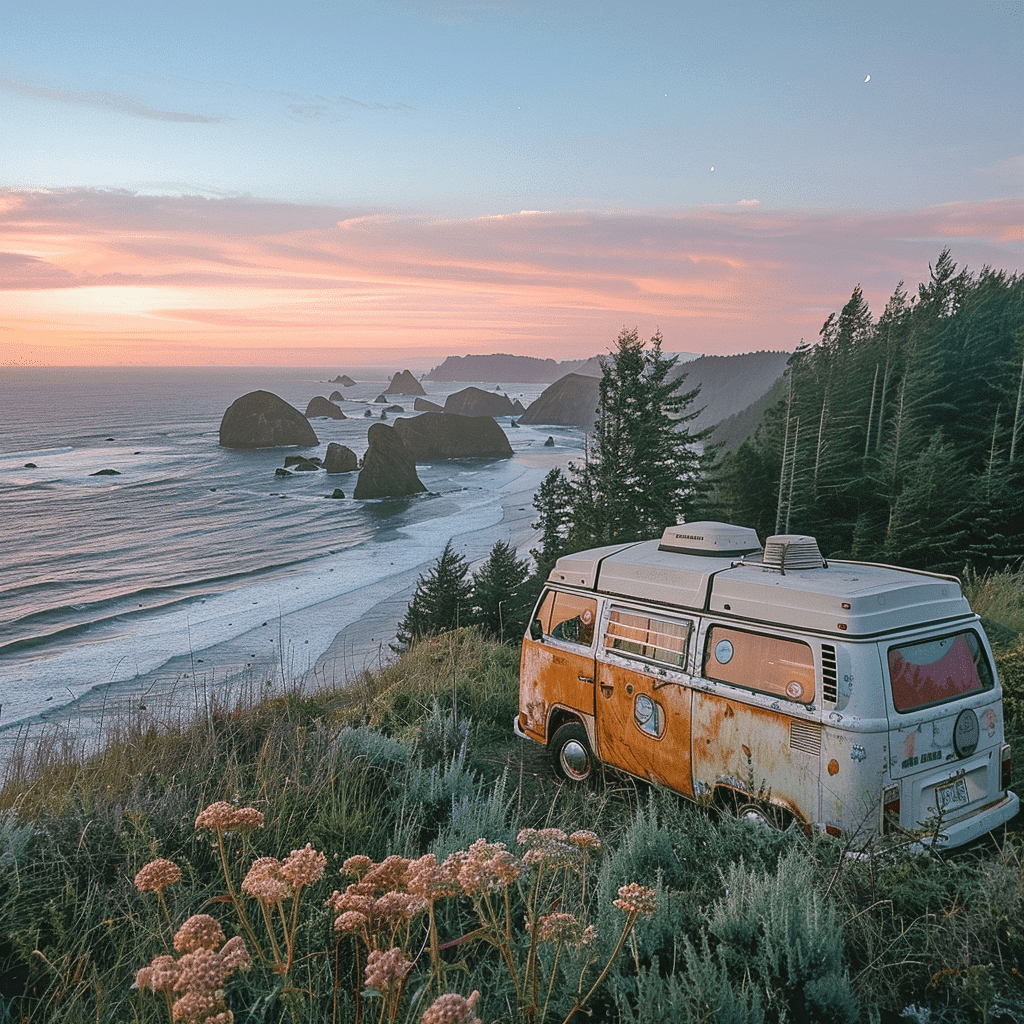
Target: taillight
pixel 1005 766
pixel 890 807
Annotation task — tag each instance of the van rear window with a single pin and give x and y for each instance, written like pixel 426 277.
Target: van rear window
pixel 935 671
pixel 662 641
pixel 756 661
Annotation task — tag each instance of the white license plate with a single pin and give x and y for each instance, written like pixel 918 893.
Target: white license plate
pixel 952 795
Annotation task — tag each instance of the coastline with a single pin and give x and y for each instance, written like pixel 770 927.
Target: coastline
pixel 187 686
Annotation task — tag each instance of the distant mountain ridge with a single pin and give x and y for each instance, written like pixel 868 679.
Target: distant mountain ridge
pixel 516 369
pixel 729 385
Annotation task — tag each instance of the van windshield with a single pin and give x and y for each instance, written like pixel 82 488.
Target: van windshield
pixel 938 670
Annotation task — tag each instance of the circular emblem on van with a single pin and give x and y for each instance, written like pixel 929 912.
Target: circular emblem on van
pixel 723 652
pixel 966 733
pixel 643 709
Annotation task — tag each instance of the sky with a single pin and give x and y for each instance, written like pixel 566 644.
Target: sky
pixel 393 181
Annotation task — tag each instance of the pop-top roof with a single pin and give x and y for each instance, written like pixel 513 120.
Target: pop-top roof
pixel 845 598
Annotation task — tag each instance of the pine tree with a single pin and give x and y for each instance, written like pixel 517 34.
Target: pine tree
pixel 442 600
pixel 501 602
pixel 643 466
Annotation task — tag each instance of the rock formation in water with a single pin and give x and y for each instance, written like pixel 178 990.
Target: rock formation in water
pixel 477 402
pixel 340 459
pixel 262 420
pixel 404 383
pixel 323 407
pixel 336 396
pixel 433 436
pixel 389 470
pixel 425 405
pixel 343 379
pixel 571 401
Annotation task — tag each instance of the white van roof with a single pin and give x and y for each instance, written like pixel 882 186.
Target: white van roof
pixel 722 568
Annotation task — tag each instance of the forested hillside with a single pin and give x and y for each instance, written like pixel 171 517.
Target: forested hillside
pixel 898 438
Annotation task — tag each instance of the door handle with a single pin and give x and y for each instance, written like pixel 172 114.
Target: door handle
pixel 585 679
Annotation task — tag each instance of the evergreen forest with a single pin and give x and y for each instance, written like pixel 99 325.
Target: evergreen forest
pixel 900 438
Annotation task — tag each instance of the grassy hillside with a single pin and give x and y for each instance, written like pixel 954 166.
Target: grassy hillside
pixel 553 903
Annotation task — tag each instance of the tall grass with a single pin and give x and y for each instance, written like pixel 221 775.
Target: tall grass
pixel 417 759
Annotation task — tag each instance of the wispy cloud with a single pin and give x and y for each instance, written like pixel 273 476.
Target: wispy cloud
pixel 105 101
pixel 719 279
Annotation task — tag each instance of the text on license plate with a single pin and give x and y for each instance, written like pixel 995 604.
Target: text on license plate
pixel 951 795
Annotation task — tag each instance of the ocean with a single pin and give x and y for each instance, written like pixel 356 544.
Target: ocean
pixel 196 570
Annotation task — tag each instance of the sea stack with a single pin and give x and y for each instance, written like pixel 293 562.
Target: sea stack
pixel 388 469
pixel 262 420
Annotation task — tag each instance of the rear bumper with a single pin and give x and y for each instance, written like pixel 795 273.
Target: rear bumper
pixel 518 729
pixel 957 833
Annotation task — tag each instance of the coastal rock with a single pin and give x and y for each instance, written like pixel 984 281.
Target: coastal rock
pixel 281 471
pixel 323 407
pixel 571 401
pixel 518 407
pixel 382 398
pixel 337 493
pixel 389 470
pixel 106 472
pixel 394 408
pixel 425 405
pixel 404 383
pixel 477 402
pixel 343 379
pixel 300 464
pixel 441 435
pixel 550 442
pixel 262 420
pixel 340 459
pixel 369 412
pixel 336 396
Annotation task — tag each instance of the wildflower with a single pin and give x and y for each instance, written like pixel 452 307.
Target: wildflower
pixel 487 866
pixel 559 927
pixel 303 867
pixel 586 840
pixel 350 921
pixel 199 932
pixel 388 874
pixel 222 817
pixel 202 970
pixel 348 900
pixel 549 846
pixel 157 875
pixel 451 1009
pixel 432 881
pixel 196 1006
pixel 385 971
pixel 398 906
pixel 234 956
pixel 264 881
pixel 160 975
pixel 357 865
pixel 636 899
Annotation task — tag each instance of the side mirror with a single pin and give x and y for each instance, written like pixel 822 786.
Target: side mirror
pixel 536 630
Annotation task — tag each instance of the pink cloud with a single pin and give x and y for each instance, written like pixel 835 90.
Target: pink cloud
pixel 160 270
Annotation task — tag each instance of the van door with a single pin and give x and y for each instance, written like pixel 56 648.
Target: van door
pixel 557 667
pixel 643 697
pixel 755 728
pixel 945 727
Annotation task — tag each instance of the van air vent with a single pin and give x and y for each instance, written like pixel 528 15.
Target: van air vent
pixel 805 736
pixel 829 674
pixel 793 551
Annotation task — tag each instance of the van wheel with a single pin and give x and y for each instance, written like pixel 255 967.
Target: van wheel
pixel 571 754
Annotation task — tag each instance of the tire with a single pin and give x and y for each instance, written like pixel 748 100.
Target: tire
pixel 571 755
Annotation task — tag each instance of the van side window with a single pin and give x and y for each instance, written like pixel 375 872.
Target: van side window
pixel 568 617
pixel 755 661
pixel 934 671
pixel 662 641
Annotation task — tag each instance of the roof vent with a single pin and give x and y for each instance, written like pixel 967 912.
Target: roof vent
pixel 721 540
pixel 793 551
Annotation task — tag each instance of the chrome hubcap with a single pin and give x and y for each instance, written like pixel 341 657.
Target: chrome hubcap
pixel 575 760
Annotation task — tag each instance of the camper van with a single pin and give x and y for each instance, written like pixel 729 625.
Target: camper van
pixel 849 698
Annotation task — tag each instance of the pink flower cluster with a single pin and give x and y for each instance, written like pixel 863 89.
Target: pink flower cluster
pixel 271 880
pixel 222 817
pixel 197 979
pixel 157 875
pixel 451 1009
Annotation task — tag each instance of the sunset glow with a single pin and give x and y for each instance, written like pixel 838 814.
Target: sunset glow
pixel 518 180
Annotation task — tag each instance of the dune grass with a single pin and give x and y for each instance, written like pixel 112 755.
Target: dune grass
pixel 418 759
